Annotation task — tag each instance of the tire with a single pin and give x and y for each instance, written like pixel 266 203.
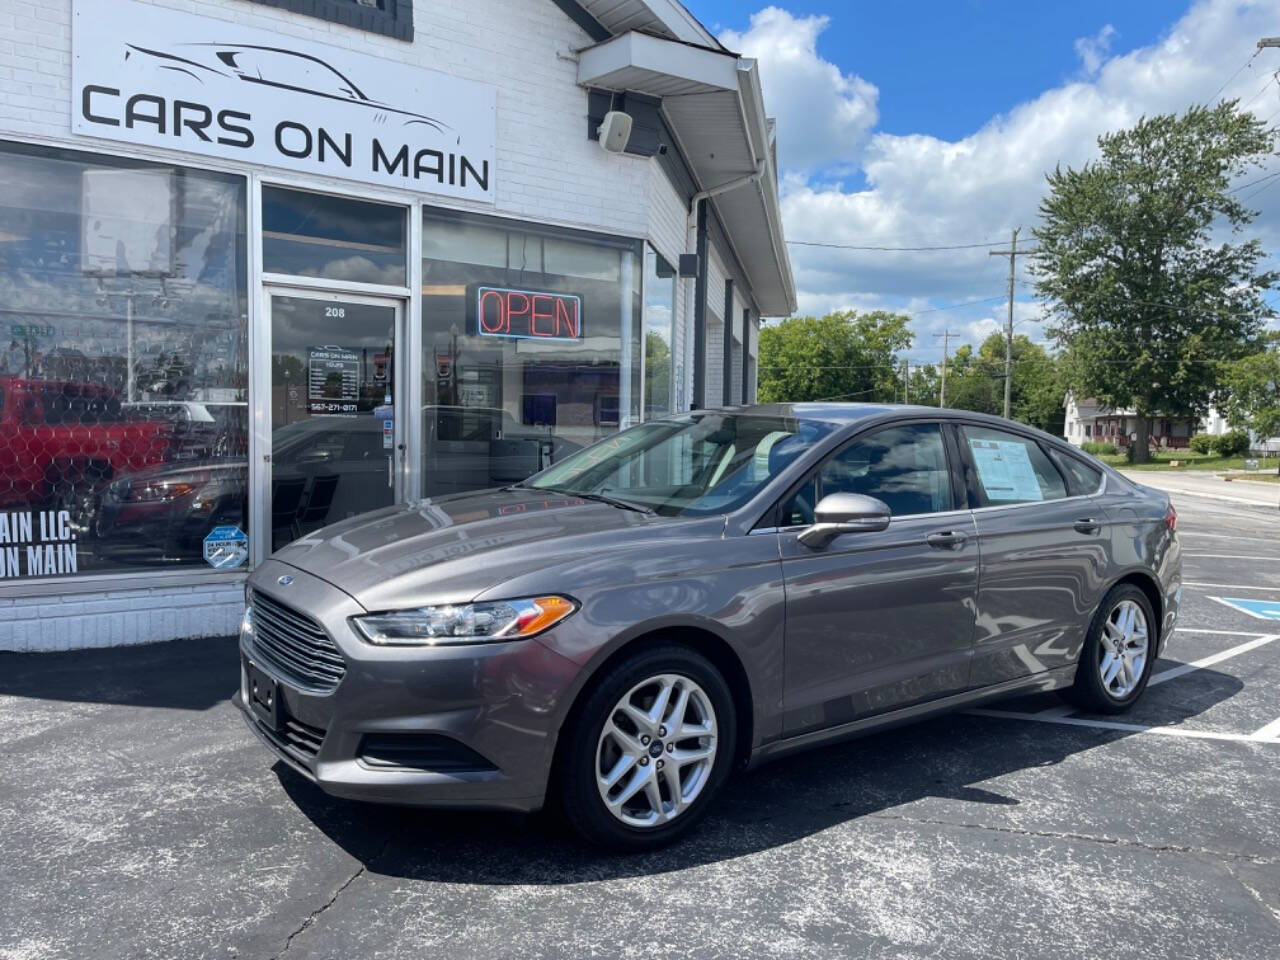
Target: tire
pixel 1092 689
pixel 588 748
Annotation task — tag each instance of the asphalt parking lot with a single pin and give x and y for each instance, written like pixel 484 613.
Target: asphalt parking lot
pixel 139 818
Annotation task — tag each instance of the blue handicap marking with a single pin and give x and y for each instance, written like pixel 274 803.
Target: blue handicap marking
pixel 1262 609
pixel 226 547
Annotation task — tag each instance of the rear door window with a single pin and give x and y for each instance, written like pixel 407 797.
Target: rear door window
pixel 1081 478
pixel 1010 469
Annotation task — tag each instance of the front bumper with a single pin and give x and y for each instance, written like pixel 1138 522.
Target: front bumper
pixel 500 702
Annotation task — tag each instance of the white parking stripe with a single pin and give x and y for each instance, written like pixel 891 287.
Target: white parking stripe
pixel 1226 556
pixel 1220 633
pixel 1226 586
pixel 1185 668
pixel 1122 727
pixel 1270 732
pixel 1224 536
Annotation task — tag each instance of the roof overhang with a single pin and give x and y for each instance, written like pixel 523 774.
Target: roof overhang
pixel 713 103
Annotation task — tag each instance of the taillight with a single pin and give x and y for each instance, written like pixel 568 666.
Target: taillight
pixel 1171 519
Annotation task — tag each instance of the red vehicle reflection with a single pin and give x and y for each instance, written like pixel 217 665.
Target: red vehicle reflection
pixel 61 441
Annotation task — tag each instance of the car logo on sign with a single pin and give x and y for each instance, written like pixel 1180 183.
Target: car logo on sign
pixel 285 580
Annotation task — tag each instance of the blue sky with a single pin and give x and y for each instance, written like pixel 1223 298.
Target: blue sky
pixel 934 122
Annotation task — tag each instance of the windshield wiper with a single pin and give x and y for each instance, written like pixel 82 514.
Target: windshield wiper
pixel 599 498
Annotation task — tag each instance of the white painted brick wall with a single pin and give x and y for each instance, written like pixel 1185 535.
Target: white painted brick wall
pixel 119 617
pixel 547 170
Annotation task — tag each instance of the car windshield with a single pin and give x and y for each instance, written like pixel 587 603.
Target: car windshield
pixel 693 465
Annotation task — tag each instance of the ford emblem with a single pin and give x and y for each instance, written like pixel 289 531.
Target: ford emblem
pixel 285 580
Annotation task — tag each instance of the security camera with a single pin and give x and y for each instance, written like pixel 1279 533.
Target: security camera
pixel 615 131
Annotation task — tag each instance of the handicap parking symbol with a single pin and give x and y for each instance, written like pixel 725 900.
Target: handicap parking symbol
pixel 226 547
pixel 1261 609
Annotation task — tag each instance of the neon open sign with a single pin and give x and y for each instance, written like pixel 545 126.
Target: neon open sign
pixel 528 314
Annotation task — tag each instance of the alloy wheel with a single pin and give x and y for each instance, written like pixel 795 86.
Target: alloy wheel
pixel 656 751
pixel 1122 649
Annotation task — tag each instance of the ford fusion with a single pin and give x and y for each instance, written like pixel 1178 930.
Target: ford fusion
pixel 618 633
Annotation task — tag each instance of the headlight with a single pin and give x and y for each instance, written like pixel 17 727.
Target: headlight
pixel 246 622
pixel 130 492
pixel 465 623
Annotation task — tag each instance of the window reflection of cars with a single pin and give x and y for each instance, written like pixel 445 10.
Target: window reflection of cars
pixel 470 448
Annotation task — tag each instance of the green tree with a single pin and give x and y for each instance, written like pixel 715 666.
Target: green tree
pixel 975 381
pixel 657 373
pixel 1139 292
pixel 845 355
pixel 1251 400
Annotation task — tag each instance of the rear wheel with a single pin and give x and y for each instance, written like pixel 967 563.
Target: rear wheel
pixel 1118 654
pixel 651 747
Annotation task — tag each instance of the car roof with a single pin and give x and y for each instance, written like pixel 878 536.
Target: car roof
pixel 846 414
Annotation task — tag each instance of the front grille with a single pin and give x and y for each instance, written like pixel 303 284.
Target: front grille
pixel 294 645
pixel 299 740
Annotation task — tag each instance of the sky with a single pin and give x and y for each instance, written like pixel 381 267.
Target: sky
pixel 934 122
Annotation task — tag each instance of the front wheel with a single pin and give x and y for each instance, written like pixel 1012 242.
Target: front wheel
pixel 651 747
pixel 1118 654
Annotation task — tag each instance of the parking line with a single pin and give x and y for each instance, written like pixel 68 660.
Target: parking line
pixel 1270 732
pixel 1225 536
pixel 1226 556
pixel 1185 668
pixel 1220 633
pixel 1122 727
pixel 1225 586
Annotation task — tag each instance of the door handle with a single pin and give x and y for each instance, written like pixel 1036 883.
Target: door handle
pixel 947 539
pixel 391 471
pixel 1087 525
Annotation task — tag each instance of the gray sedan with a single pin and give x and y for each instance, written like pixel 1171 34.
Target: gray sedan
pixel 618 633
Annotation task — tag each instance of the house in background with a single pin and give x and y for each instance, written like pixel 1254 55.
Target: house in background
pixel 1089 420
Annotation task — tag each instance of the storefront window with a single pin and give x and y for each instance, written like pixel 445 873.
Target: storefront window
pixel 123 365
pixel 659 317
pixel 531 346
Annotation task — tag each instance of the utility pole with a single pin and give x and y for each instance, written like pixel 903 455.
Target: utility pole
pixel 1012 253
pixel 1268 42
pixel 946 336
pixel 906 381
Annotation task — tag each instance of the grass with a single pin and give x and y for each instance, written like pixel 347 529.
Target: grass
pixel 1192 461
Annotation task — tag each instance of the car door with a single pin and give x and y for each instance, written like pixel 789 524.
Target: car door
pixel 880 620
pixel 1043 556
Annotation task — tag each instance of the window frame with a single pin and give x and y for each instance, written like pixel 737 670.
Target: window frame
pixel 394 19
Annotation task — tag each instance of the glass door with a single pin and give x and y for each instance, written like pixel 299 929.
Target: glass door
pixel 337 444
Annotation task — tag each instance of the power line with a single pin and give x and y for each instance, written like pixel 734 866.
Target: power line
pixel 1247 63
pixel 884 249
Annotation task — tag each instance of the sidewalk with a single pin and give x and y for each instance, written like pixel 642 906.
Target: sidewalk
pixel 1211 487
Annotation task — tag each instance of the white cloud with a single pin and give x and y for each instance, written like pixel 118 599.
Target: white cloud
pixel 823 115
pixel 924 190
pixel 1093 50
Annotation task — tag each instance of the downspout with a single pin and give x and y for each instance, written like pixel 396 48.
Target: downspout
pixel 698 215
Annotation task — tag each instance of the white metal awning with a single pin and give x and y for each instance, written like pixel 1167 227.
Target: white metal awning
pixel 712 101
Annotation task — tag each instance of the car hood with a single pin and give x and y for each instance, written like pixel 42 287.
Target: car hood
pixel 451 549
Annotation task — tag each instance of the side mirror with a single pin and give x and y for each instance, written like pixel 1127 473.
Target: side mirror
pixel 839 513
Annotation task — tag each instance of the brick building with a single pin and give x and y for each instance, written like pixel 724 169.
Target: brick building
pixel 265 264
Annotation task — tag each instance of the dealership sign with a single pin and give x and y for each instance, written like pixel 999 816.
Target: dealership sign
pixel 166 78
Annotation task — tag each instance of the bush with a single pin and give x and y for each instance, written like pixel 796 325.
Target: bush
pixel 1099 449
pixel 1201 443
pixel 1235 443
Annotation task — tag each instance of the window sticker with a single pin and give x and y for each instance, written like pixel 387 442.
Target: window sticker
pixel 1004 467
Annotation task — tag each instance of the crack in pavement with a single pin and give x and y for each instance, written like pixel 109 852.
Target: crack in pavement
pixel 315 914
pixel 1088 838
